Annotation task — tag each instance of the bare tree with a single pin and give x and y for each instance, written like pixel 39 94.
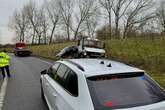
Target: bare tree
pixel 136 15
pixel 107 5
pixel 87 9
pixel 38 22
pixel 119 8
pixel 41 26
pixel 44 25
pixel 54 12
pixel 91 24
pixel 19 23
pixel 160 12
pixel 66 7
pixel 31 11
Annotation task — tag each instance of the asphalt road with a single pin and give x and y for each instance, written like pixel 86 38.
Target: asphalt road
pixel 23 89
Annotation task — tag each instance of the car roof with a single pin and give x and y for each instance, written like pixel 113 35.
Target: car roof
pixel 94 67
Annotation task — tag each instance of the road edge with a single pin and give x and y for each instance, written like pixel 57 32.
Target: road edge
pixel 3 92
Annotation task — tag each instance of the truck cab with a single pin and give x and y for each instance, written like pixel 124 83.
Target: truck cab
pixel 89 47
pixel 21 50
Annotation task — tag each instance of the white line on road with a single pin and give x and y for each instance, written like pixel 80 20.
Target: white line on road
pixel 3 92
pixel 45 61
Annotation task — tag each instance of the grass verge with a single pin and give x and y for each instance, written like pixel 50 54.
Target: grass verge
pixel 146 54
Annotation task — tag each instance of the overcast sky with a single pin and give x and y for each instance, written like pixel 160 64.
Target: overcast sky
pixel 7 7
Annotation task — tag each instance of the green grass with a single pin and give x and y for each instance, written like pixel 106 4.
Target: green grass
pixel 49 51
pixel 145 54
pixel 10 50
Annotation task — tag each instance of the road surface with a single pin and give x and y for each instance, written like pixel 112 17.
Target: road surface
pixel 23 88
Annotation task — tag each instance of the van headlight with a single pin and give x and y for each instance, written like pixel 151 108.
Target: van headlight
pixel 85 53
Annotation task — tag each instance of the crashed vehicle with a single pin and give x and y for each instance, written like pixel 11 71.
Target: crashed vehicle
pixel 91 48
pixel 68 52
pixel 87 48
pixel 21 50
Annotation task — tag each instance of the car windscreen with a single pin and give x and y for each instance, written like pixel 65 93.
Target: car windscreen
pixel 123 91
pixel 93 43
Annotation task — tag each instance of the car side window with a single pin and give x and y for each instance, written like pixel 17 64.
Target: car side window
pixel 60 74
pixel 53 70
pixel 50 72
pixel 67 79
pixel 71 83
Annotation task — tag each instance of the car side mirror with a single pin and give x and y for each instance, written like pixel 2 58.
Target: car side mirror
pixel 43 72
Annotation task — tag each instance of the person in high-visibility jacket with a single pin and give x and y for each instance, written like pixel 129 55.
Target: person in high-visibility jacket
pixel 4 63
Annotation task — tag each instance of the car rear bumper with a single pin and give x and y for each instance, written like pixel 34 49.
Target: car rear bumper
pixel 23 53
pixel 156 106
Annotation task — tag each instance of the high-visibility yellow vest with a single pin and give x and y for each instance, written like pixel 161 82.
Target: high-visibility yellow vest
pixel 4 59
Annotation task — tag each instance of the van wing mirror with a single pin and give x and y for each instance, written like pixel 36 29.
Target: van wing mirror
pixel 44 72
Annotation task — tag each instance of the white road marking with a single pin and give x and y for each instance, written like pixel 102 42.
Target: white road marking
pixel 45 61
pixel 40 60
pixel 3 92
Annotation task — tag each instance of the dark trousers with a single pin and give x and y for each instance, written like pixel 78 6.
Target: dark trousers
pixel 7 70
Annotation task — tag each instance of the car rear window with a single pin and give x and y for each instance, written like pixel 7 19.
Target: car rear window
pixel 123 91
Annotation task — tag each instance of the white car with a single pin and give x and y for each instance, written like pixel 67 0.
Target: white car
pixel 99 84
